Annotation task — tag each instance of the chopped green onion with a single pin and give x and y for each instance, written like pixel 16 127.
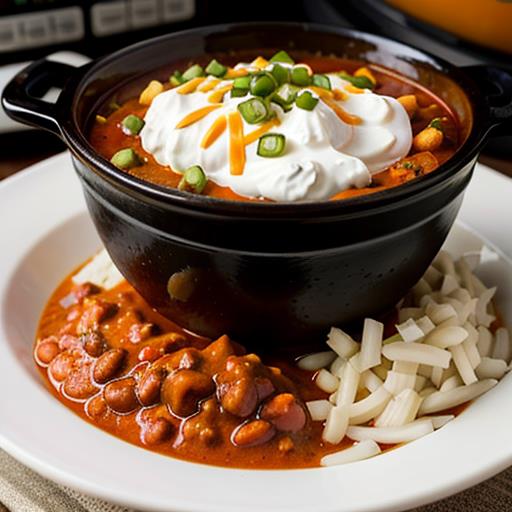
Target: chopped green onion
pixel 242 82
pixel 306 101
pixel 194 180
pixel 280 73
pixel 254 111
pixel 322 81
pixel 193 72
pixel 263 84
pixel 176 79
pixel 282 56
pixel 271 145
pixel 238 93
pixel 407 165
pixel 215 68
pixel 132 124
pixel 300 76
pixel 285 95
pixel 361 82
pixel 436 123
pixel 126 159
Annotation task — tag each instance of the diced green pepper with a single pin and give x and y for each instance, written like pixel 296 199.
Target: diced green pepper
pixel 176 78
pixel 215 68
pixel 285 95
pixel 132 124
pixel 436 123
pixel 239 93
pixel 300 76
pixel 254 110
pixel 193 180
pixel 193 72
pixel 280 73
pixel 126 159
pixel 322 81
pixel 361 82
pixel 263 84
pixel 282 56
pixel 306 101
pixel 271 145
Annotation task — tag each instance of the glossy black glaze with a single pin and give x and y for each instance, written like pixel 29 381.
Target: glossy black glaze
pixel 271 274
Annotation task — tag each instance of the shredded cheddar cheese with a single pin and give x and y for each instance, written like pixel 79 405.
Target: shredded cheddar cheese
pixel 339 95
pixel 353 89
pixel 264 128
pixel 321 92
pixel 153 89
pixel 217 95
pixel 196 115
pixel 236 73
pixel 214 132
pixel 236 143
pixel 191 85
pixel 364 71
pixel 209 85
pixel 342 113
pixel 260 62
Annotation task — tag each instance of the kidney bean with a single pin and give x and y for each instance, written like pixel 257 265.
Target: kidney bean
pixel 149 386
pixel 47 350
pixel 108 365
pixel 285 412
pixel 182 390
pixel 239 397
pixel 139 332
pixel 156 431
pixel 62 366
pixel 254 433
pixel 78 385
pixel 67 341
pixel 93 343
pixel 218 351
pixel 190 359
pixel 96 407
pixel 149 354
pixel 202 426
pixel 120 395
pixel 264 387
pixel 96 311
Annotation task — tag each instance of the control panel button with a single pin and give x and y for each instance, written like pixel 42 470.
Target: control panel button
pixel 67 24
pixel 178 10
pixel 144 13
pixel 109 18
pixel 43 28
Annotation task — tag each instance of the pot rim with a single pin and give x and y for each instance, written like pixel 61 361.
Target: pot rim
pixel 77 142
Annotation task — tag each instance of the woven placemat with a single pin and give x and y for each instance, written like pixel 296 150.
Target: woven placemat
pixel 22 490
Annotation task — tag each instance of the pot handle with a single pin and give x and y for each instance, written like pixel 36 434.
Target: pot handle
pixel 495 84
pixel 22 96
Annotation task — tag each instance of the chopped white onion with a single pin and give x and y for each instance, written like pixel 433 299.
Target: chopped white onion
pixel 501 348
pixel 449 285
pixel 369 407
pixel 425 324
pixel 349 384
pixel 370 381
pixel 337 365
pixel 485 341
pixel 402 409
pixel 444 337
pixel 433 277
pixel 466 276
pixel 326 381
pixel 371 344
pixel 396 382
pixel 417 353
pixel 440 312
pixel 359 451
pixel 319 409
pixel 439 421
pixel 463 365
pixel 314 362
pixel 336 424
pixel 342 343
pixel 405 367
pixel 482 316
pixel 490 368
pixel 440 401
pixel 392 435
pixel 451 383
pixel 409 331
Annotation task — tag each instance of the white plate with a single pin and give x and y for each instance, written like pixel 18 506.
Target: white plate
pixel 45 232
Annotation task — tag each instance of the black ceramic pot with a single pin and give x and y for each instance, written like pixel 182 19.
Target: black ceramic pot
pixel 265 273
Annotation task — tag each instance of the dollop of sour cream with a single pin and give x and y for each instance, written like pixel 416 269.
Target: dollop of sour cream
pixel 324 155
